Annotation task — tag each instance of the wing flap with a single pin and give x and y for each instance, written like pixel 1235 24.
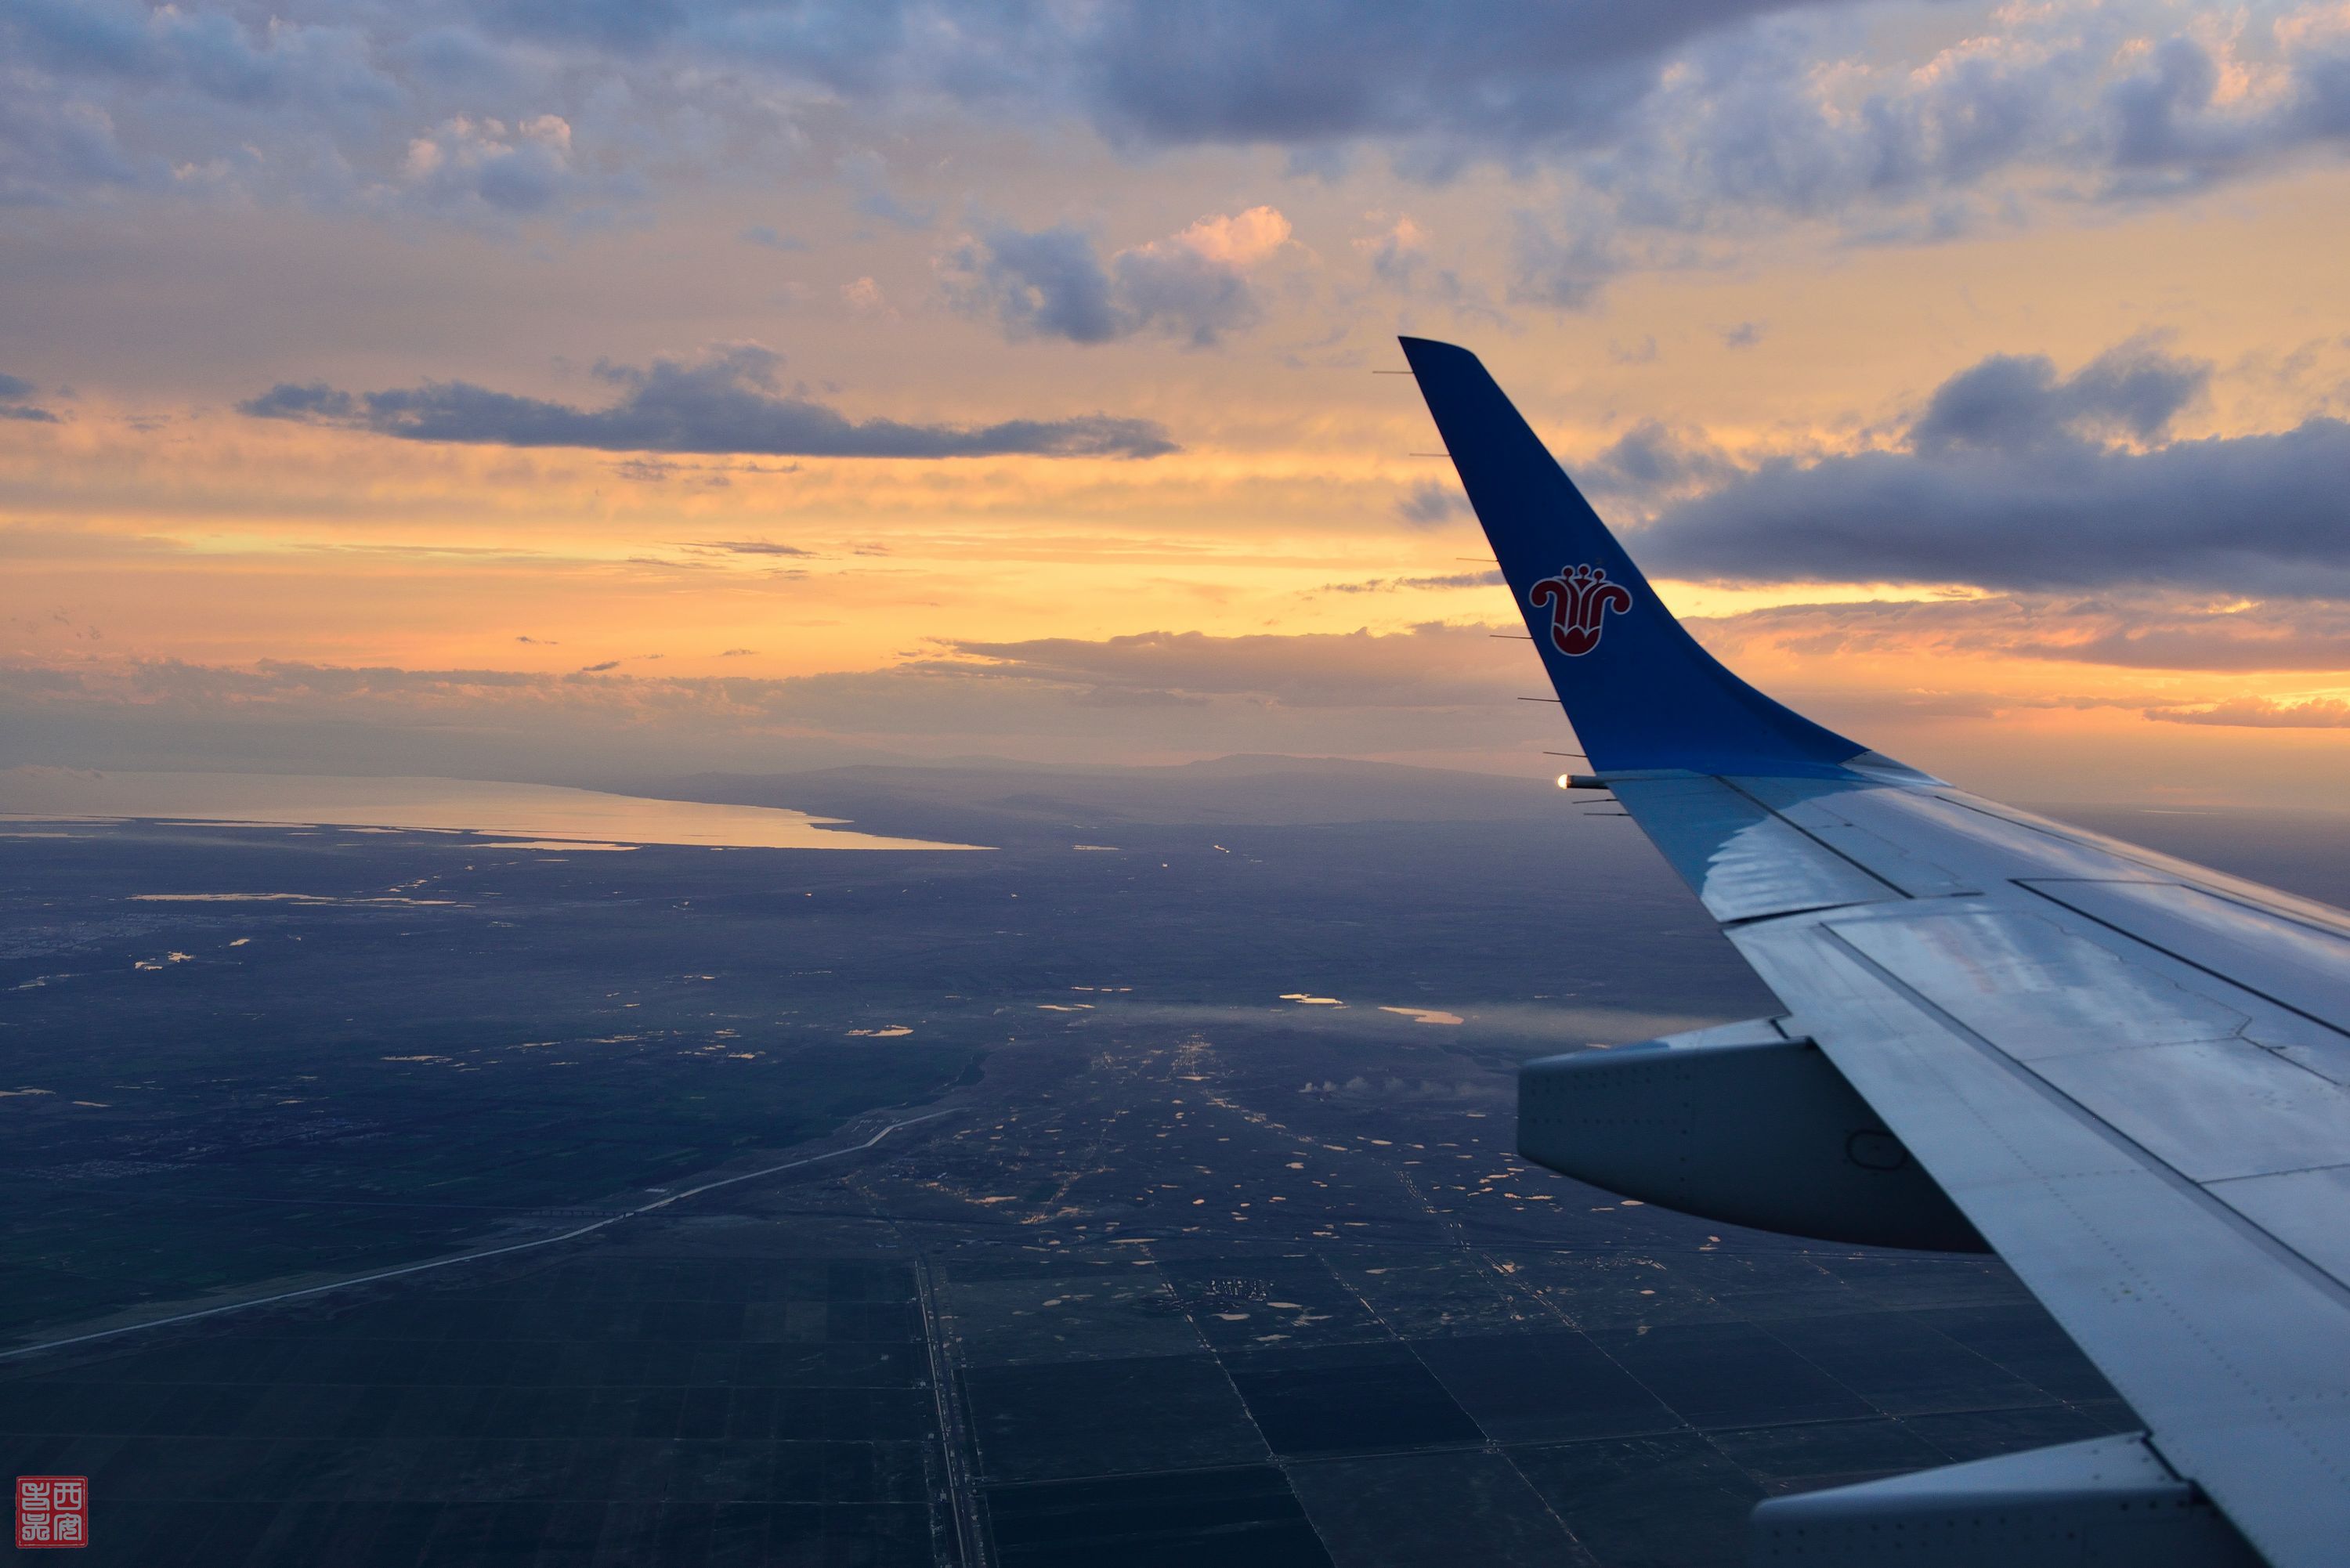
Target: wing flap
pixel 2105 1503
pixel 2294 963
pixel 2035 989
pixel 2301 1209
pixel 2215 1110
pixel 2235 1351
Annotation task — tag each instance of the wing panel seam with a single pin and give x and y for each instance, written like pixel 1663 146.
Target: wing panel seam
pixel 2198 968
pixel 2123 1143
pixel 2280 1412
pixel 1768 810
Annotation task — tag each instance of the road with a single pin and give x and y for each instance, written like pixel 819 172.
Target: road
pixel 472 1257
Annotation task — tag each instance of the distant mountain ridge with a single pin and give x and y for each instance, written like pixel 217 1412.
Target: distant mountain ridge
pixel 1041 801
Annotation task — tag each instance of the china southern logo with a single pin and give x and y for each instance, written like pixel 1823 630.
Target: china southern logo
pixel 1579 598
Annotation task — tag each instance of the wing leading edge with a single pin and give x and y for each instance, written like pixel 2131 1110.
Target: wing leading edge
pixel 2127 1073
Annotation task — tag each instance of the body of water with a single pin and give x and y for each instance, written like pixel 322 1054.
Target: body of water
pixel 550 816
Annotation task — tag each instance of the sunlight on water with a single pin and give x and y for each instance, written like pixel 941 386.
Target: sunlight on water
pixel 541 814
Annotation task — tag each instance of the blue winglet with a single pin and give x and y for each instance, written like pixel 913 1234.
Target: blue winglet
pixel 1638 690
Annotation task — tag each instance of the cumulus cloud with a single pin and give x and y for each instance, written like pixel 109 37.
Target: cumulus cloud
pixel 2114 102
pixel 2013 402
pixel 1401 256
pixel 110 96
pixel 515 172
pixel 1050 283
pixel 728 400
pixel 2014 477
pixel 54 150
pixel 1513 74
pixel 1654 459
pixel 2198 109
pixel 1681 114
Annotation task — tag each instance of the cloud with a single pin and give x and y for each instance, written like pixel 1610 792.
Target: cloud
pixel 1045 283
pixel 1694 116
pixel 727 401
pixel 2163 633
pixel 864 298
pixel 1564 271
pixel 2120 102
pixel 2151 629
pixel 2196 110
pixel 867 175
pixel 2013 477
pixel 2263 713
pixel 1389 584
pixel 1431 503
pixel 1401 257
pixel 56 150
pixel 1511 74
pixel 216 99
pixel 512 171
pixel 1160 695
pixel 1396 253
pixel 749 547
pixel 314 401
pixel 2014 403
pixel 1049 282
pixel 1653 459
pixel 710 475
pixel 13 392
pixel 762 235
pixel 1427 665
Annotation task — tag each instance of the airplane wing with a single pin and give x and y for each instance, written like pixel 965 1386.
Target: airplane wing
pixel 2123 1073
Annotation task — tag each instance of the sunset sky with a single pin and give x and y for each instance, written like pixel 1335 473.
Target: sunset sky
pixel 526 390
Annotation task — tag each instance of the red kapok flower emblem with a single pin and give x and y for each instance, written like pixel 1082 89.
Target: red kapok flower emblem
pixel 1578 598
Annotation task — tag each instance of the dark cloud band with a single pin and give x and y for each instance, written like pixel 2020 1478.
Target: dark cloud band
pixel 2013 478
pixel 728 401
